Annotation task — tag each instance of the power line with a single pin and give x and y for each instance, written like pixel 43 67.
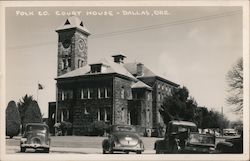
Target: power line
pixel 141 29
pixel 165 25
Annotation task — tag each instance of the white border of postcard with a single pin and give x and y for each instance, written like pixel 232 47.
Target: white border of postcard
pixel 35 157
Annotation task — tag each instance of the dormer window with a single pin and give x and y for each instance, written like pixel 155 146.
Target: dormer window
pixel 98 68
pixel 119 58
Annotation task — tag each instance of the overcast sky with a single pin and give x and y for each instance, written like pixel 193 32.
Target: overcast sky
pixel 192 46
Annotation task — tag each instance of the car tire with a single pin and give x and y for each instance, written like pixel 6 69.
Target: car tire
pixel 175 149
pixel 46 150
pixel 138 152
pixel 111 150
pixel 23 149
pixel 104 151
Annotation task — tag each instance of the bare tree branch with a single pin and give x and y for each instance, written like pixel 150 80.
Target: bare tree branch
pixel 235 82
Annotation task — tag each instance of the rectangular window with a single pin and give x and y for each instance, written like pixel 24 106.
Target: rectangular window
pixel 98 114
pixel 90 93
pixel 101 92
pixel 62 95
pixel 108 115
pixel 102 114
pixel 79 63
pixel 84 93
pixel 64 66
pixel 107 92
pixel 69 62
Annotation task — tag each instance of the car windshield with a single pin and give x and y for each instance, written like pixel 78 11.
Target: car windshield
pixel 183 128
pixel 195 138
pixel 124 129
pixel 36 128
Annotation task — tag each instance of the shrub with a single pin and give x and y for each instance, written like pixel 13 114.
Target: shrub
pixel 99 128
pixel 65 127
pixel 13 120
pixel 32 114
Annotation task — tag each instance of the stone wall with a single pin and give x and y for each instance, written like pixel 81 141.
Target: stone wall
pixel 121 104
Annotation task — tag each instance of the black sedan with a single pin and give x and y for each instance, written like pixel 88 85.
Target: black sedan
pixel 123 138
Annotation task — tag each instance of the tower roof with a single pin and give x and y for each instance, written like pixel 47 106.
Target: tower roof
pixel 73 22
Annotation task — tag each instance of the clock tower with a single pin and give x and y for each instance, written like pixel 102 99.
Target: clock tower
pixel 72 45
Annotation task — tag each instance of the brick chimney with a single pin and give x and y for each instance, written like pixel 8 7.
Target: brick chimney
pixel 119 58
pixel 140 69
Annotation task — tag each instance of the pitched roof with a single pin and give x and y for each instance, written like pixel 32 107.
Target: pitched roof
pixel 140 84
pixel 112 67
pixel 74 22
pixel 132 68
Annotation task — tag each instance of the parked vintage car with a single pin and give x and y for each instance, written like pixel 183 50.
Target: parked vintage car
pixel 183 137
pixel 229 132
pixel 123 138
pixel 232 145
pixel 36 136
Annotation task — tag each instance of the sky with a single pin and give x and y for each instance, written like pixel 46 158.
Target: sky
pixel 192 46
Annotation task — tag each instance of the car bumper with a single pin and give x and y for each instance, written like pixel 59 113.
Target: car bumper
pixel 34 146
pixel 132 149
pixel 196 150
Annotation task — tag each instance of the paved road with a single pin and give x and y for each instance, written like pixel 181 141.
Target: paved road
pixel 79 145
pixel 75 145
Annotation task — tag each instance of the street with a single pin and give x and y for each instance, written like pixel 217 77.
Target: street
pixel 75 145
pixel 78 145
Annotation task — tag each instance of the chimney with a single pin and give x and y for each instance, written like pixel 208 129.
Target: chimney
pixel 119 58
pixel 140 69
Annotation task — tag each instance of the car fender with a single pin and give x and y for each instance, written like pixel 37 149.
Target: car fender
pixel 160 145
pixel 224 144
pixel 105 143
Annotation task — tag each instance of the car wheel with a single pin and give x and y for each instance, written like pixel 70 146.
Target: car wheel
pixel 23 149
pixel 127 152
pixel 46 150
pixel 138 152
pixel 175 149
pixel 111 150
pixel 104 151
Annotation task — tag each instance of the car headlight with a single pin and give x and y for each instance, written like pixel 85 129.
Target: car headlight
pixel 211 148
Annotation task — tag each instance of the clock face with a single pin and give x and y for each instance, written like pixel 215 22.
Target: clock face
pixel 66 43
pixel 81 44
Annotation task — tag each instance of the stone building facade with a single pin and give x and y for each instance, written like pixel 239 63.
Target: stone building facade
pixel 113 92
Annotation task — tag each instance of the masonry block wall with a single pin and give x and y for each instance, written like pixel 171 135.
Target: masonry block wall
pixel 122 93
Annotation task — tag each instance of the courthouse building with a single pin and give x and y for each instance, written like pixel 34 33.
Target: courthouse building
pixel 114 92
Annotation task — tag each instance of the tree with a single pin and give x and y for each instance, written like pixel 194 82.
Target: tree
pixel 235 83
pixel 178 106
pixel 201 117
pixel 13 121
pixel 23 105
pixel 32 114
